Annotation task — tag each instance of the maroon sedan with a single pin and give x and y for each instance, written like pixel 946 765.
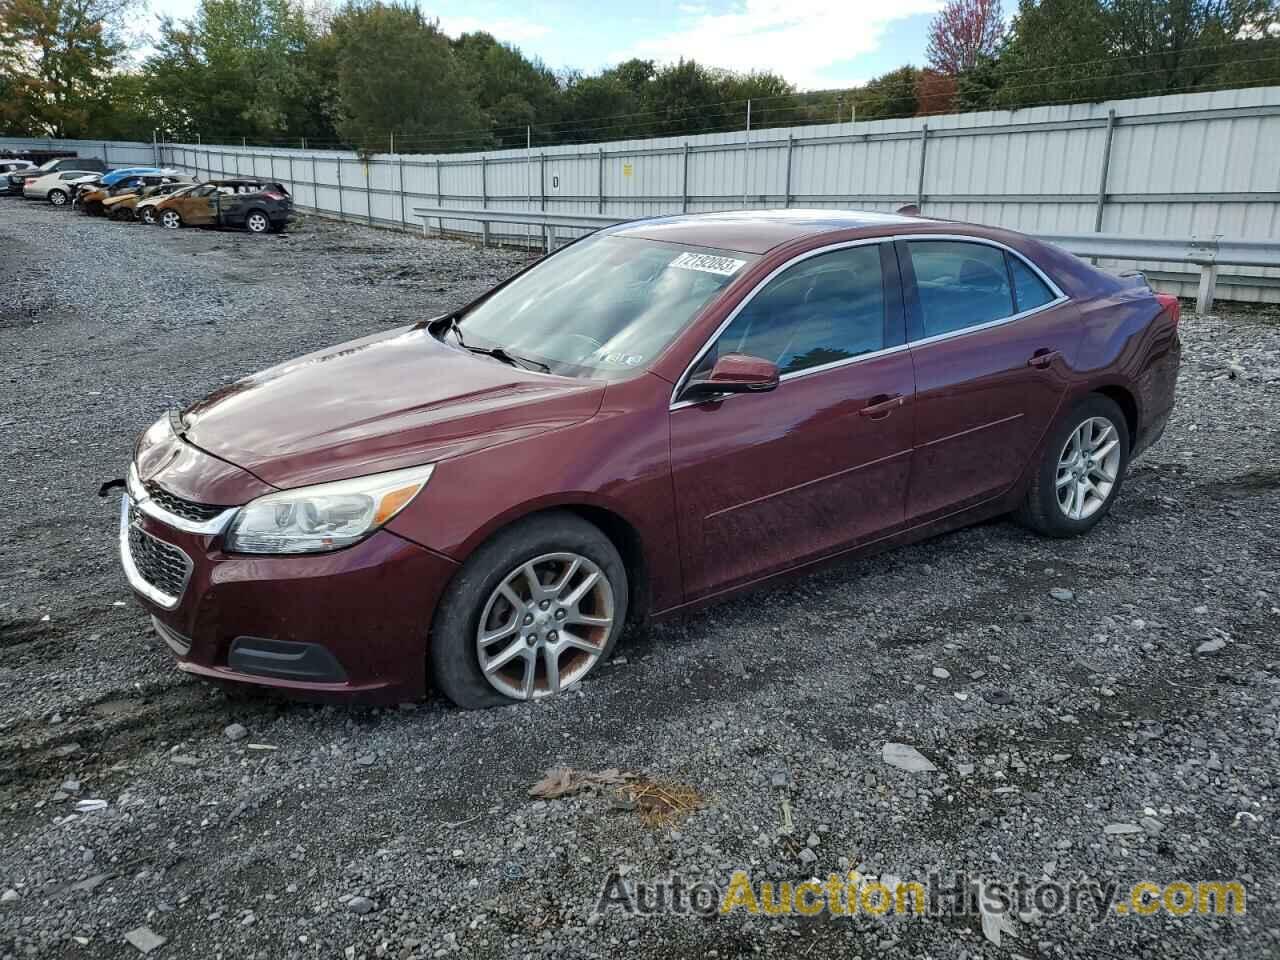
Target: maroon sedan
pixel 657 415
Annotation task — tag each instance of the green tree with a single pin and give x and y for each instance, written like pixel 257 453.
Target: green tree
pixel 890 95
pixel 397 72
pixel 236 69
pixel 513 92
pixel 56 57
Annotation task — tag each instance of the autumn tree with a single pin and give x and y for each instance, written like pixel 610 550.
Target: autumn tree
pixel 962 32
pixel 57 58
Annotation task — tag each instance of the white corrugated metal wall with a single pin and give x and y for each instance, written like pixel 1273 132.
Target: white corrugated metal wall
pixel 1186 165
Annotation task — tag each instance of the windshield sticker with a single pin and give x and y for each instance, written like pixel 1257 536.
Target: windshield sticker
pixel 724 266
pixel 621 359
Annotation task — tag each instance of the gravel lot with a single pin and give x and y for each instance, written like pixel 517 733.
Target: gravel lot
pixel 410 832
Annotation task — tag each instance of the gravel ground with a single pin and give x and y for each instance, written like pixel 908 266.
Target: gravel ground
pixel 1098 709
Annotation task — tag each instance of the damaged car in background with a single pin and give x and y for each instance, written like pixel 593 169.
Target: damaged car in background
pixel 660 414
pixel 259 206
pixel 124 206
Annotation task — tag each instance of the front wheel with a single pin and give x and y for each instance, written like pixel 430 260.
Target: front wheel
pixel 58 197
pixel 1081 472
pixel 148 216
pixel 170 220
pixel 257 222
pixel 530 613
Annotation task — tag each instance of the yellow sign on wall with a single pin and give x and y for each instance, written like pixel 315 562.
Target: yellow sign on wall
pixel 626 169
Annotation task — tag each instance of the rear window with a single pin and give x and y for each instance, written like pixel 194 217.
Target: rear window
pixel 959 284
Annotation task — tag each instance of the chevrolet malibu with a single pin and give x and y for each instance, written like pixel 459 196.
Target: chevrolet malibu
pixel 657 415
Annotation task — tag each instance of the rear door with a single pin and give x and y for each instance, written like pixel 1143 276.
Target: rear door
pixel 994 344
pixel 768 481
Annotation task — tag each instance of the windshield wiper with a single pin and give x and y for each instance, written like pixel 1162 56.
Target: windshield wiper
pixel 498 353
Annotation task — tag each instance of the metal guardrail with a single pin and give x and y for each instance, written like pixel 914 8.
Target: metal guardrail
pixel 1207 254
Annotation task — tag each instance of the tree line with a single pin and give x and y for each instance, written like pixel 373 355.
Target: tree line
pixel 373 74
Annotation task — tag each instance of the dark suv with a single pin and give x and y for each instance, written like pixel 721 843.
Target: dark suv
pixel 258 206
pixel 13 183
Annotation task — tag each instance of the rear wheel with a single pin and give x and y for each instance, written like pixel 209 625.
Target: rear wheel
pixel 530 613
pixel 58 197
pixel 170 219
pixel 257 222
pixel 1081 472
pixel 148 215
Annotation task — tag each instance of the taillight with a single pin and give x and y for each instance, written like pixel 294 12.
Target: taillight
pixel 29 181
pixel 272 195
pixel 1170 303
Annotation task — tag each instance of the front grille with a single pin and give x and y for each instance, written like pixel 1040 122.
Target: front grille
pixel 161 564
pixel 186 509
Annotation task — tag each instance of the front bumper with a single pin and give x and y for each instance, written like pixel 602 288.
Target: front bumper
pixel 346 625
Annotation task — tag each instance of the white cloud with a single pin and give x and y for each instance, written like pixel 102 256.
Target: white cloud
pixel 796 38
pixel 506 29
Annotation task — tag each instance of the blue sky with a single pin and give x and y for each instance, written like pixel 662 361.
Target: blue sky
pixel 813 43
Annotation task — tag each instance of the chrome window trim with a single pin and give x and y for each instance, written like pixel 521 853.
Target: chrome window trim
pixel 765 281
pixel 142 500
pixel 131 573
pixel 1059 298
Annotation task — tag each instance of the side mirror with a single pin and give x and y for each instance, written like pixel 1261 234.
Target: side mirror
pixel 733 373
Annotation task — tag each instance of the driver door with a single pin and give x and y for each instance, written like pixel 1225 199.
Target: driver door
pixel 768 481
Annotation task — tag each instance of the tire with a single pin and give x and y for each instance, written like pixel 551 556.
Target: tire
pixel 170 219
pixel 58 197
pixel 548 542
pixel 257 222
pixel 148 216
pixel 1057 504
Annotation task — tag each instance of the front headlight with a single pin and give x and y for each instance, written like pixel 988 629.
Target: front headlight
pixel 328 516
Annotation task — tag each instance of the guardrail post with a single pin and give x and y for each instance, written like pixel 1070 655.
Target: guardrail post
pixel 924 152
pixel 791 144
pixel 1208 287
pixel 684 181
pixel 1106 168
pixel 600 180
pixel 542 198
pixel 484 199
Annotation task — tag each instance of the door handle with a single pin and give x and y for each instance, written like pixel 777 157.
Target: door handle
pixel 1043 358
pixel 883 405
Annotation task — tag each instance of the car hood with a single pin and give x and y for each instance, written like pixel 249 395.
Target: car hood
pixel 388 401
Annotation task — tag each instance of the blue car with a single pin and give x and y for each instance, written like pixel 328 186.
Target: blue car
pixel 110 179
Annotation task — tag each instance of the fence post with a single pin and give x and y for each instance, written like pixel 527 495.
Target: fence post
pixel 439 201
pixel 924 150
pixel 600 180
pixel 1208 286
pixel 341 212
pixel 684 181
pixel 403 221
pixel 1106 169
pixel 746 159
pixel 315 184
pixel 293 180
pixel 368 190
pixel 547 237
pixel 484 198
pixel 106 155
pixel 791 143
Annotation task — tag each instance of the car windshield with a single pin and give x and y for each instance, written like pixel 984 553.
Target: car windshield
pixel 604 306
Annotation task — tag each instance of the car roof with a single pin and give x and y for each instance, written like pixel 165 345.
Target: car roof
pixel 756 231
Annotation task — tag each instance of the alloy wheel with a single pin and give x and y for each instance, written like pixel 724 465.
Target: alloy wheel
pixel 170 219
pixel 545 625
pixel 257 223
pixel 57 198
pixel 148 216
pixel 1088 468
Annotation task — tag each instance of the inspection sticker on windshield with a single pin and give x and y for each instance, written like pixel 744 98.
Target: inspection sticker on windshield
pixel 725 266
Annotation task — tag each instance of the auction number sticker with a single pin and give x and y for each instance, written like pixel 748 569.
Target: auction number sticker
pixel 724 266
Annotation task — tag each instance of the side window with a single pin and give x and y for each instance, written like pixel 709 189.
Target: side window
pixel 959 284
pixel 1029 290
pixel 823 309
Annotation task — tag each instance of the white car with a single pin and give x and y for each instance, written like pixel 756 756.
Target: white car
pixel 57 187
pixel 10 164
